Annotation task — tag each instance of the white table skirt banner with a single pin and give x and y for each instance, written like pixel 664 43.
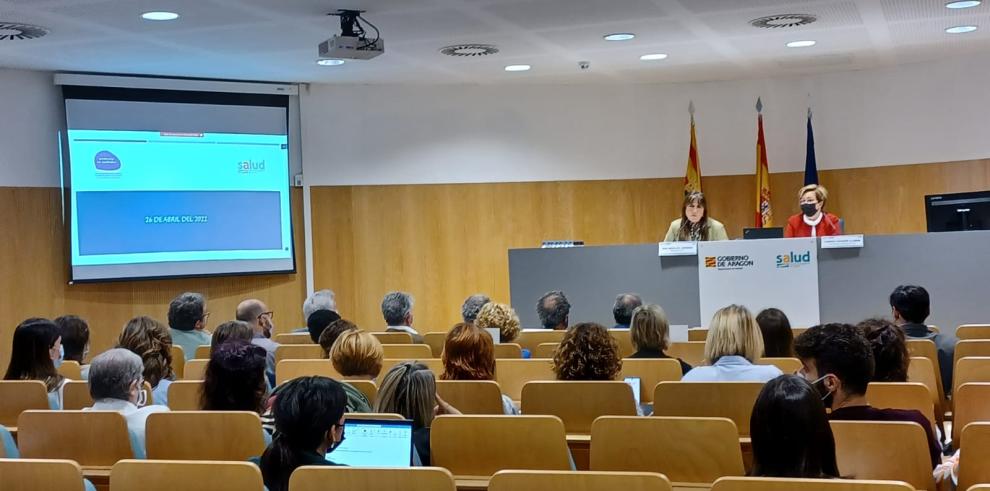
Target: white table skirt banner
pixel 758 274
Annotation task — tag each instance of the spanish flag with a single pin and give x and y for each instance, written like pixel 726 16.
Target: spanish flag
pixel 764 215
pixel 692 176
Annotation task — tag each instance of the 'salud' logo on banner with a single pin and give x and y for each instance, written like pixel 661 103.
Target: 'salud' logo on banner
pixel 723 263
pixel 794 259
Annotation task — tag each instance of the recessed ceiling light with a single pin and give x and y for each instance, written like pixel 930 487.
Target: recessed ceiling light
pixel 653 57
pixel 517 68
pixel 620 36
pixel 801 44
pixel 963 5
pixel 960 29
pixel 159 16
pixel 329 62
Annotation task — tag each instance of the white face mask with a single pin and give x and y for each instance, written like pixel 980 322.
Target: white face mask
pixel 61 357
pixel 142 395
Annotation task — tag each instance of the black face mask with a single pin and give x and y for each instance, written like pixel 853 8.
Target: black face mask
pixel 809 209
pixel 333 446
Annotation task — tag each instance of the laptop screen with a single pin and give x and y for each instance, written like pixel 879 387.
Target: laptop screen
pixel 374 443
pixel 634 383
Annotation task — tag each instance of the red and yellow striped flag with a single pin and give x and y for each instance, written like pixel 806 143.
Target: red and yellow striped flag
pixel 692 176
pixel 764 215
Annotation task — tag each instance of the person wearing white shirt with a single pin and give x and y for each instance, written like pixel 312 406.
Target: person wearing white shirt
pixel 116 384
pixel 397 311
pixel 261 320
pixel 734 344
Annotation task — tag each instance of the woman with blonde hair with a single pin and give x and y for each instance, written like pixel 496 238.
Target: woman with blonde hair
pixel 694 223
pixel 734 344
pixel 152 341
pixel 813 221
pixel 502 317
pixel 410 389
pixel 357 354
pixel 469 354
pixel 650 333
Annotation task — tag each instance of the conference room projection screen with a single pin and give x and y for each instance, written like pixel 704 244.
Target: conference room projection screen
pixel 172 183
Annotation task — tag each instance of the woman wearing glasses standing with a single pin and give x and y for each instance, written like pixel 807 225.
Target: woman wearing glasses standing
pixel 813 221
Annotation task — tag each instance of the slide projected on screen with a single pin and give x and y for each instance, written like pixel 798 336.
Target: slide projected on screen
pixel 173 189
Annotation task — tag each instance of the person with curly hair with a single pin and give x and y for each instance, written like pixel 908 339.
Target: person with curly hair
pixel 152 341
pixel 734 345
pixel 235 379
pixel 890 353
pixel 587 352
pixel 502 317
pixel 469 354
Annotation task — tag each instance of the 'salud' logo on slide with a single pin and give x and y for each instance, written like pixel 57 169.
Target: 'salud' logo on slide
pixel 793 259
pixel 106 161
pixel 723 263
pixel 250 166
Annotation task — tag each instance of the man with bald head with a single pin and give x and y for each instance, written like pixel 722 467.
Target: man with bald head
pixel 257 315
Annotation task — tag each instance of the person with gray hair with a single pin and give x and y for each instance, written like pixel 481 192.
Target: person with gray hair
pixel 397 311
pixel 116 384
pixel 187 316
pixel 324 299
pixel 623 309
pixel 553 310
pixel 473 305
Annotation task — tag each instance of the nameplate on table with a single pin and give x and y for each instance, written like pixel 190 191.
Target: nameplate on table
pixel 843 242
pixel 678 249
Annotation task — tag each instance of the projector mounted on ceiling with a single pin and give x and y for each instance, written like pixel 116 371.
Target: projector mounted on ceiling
pixel 352 43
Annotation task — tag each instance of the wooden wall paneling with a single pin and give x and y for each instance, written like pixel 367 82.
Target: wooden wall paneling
pixel 446 241
pixel 34 278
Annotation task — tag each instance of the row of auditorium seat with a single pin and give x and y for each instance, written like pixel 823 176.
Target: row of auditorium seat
pixel 164 475
pixel 691 451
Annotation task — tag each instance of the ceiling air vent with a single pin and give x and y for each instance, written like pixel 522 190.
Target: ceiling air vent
pixel 469 50
pixel 12 31
pixel 783 21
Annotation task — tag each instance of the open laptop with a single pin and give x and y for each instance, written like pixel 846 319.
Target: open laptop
pixel 763 233
pixel 375 443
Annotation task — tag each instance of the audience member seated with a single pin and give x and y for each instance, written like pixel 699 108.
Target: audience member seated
pixel 587 352
pixel 330 335
pixel 469 354
pixel 116 384
pixel 257 315
pixel 502 317
pixel 890 353
pixel 235 379
pixel 319 300
pixel 472 305
pixel 623 309
pixel 410 389
pixel 778 338
pixel 319 321
pixel 150 339
pixel 734 343
pixel 75 340
pixel 187 318
pixel 231 331
pixel 357 355
pixel 35 354
pixel 838 361
pixel 553 310
pixel 397 311
pixel 650 334
pixel 309 422
pixel 790 432
pixel 910 307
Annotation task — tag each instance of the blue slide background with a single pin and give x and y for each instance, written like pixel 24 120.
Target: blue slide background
pixel 116 222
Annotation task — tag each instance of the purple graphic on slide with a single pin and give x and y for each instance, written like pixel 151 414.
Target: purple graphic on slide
pixel 105 160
